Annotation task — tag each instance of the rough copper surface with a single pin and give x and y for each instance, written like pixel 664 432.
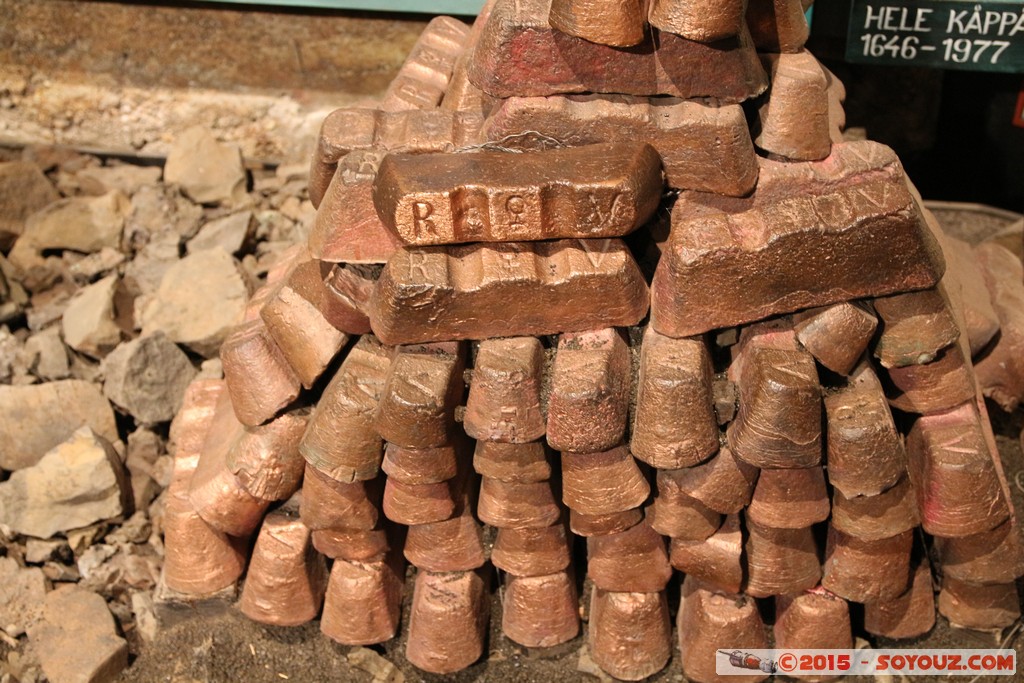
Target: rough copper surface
pixel 266 459
pixel 602 483
pixel 423 386
pixel 423 77
pixel 908 615
pixel 330 504
pixel 259 378
pixel 1000 372
pixel 780 561
pixel 451 545
pixel 448 625
pixel 724 483
pixel 364 601
pixel 994 556
pixel 933 387
pixel 872 518
pixel 598 525
pixel 717 560
pixel 789 499
pixel 793 122
pixel 520 54
pixel 344 298
pixel 865 453
pixel 629 633
pixel 189 427
pixel 676 514
pixel 531 552
pixel 416 466
pixel 540 611
pixel 705 21
pixel 703 146
pixel 504 397
pixel 340 439
pixel 621 23
pixel 804 238
pixel 814 620
pixel 353 545
pixel 517 505
pixel 836 335
pixel 987 608
pixel 777 25
pixel 631 561
pixel 483 291
pixel 675 423
pixel 512 462
pixel 418 503
pixel 198 559
pixel 287 577
pixel 461 95
pixel 981 322
pixel 707 621
pixel 915 327
pixel 958 490
pixel 865 571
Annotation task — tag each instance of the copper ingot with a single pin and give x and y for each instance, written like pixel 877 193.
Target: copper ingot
pixel 354 545
pixel 504 398
pixel 678 515
pixel 589 399
pixel 812 620
pixel 916 326
pixel 865 452
pixel 602 483
pixel 780 561
pixel 512 462
pixel 448 623
pixel 793 121
pixel 190 425
pixel 704 22
pixel 266 458
pixel 517 506
pixel 462 96
pixel 341 439
pixel 345 297
pixel 599 525
pixel 775 333
pixel 420 466
pixel 908 615
pixel 989 607
pixel 675 422
pixel 198 559
pixel 418 503
pixel 631 561
pixel 1000 372
pixel 363 604
pixel 620 24
pixel 451 545
pixel 981 322
pixel 330 504
pixel 531 552
pixel 259 378
pixel 789 499
pixel 724 483
pixel 866 571
pixel 709 621
pixel 932 387
pixel 630 636
pixel 777 25
pixel 872 518
pixel 994 556
pixel 717 560
pixel 540 611
pixel 423 77
pixel 287 577
pixel 837 335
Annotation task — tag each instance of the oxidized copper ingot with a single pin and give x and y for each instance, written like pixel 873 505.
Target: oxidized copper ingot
pixel 363 604
pixel 352 544
pixel 330 504
pixel 990 607
pixel 716 560
pixel 266 458
pixel 1000 373
pixel 675 422
pixel 511 505
pixel 789 499
pixel 198 559
pixel 630 636
pixel 259 378
pixel 418 503
pixel 933 387
pixel 589 401
pixel 504 398
pixel 865 452
pixel 837 335
pixel 872 518
pixel 676 514
pixel 451 545
pixel 777 25
pixel 780 561
pixel 423 77
pixel 865 571
pixel 992 556
pixel 775 333
pixel 507 289
pixel 531 552
pixel 424 384
pixel 916 326
pixel 952 470
pixel 709 621
pixel 704 22
pixel 981 322
pixel 599 525
pixel 908 615
pixel 793 121
pixel 344 297
pixel 417 466
pixel 341 440
pixel 540 611
pixel 779 421
pixel 602 483
pixel 813 620
pixel 448 624
pixel 190 425
pixel 512 462
pixel 287 577
pixel 724 483
pixel 609 23
pixel 631 561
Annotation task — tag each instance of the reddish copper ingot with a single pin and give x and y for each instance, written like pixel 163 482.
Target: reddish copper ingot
pixel 915 327
pixel 865 453
pixel 676 514
pixel 451 545
pixel 507 289
pixel 198 559
pixel 872 518
pixel 777 25
pixel 675 422
pixel 981 322
pixel 907 616
pixel 461 95
pixel 994 556
pixel 352 545
pixel 724 483
pixel 793 121
pixel 631 561
pixel 865 571
pixel 512 462
pixel 418 503
pixel 423 77
pixel 630 633
pixel 933 387
pixel 504 398
pixel 836 113
pixel 990 607
pixel 814 620
pixel 780 561
pixel 448 624
pixel 1001 372
pixel 708 620
pixel 531 552
pixel 704 22
pixel 266 459
pixel 363 604
pixel 190 425
pixel 540 611
pixel 599 525
pixel 952 470
pixel 517 505
pixel 789 499
pixel 716 560
pixel 837 335
pixel 330 504
pixel 344 298
pixel 418 466
pixel 602 483
pixel 776 333
pixel 340 439
pixel 620 23
pixel 258 377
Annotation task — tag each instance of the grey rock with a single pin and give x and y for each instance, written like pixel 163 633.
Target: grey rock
pixel 128 178
pixel 47 356
pixel 88 321
pixel 230 233
pixel 85 268
pixel 23 191
pixel 147 377
pixel 209 172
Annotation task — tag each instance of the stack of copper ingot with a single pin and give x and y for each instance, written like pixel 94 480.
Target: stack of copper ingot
pixel 800 295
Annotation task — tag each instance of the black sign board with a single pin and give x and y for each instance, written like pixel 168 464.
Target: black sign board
pixel 948 34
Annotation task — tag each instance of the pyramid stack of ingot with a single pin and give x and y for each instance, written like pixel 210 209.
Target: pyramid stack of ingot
pixel 804 311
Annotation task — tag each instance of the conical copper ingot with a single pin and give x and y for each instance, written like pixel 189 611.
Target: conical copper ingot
pixel 789 499
pixel 709 621
pixel 700 21
pixel 287 577
pixel 330 504
pixel 992 556
pixel 631 561
pixel 872 518
pixel 774 333
pixel 906 616
pixel 794 122
pixel 341 439
pixel 540 611
pixel 675 422
pixel 602 483
pixel 780 561
pixel 512 462
pixel 531 552
pixel 589 400
pixel 364 601
pixel 418 504
pixel 981 321
pixel 989 607
pixel 451 545
pixel 958 489
pixel 448 624
pixel 724 483
pixel 717 560
pixel 779 421
pixel 191 424
pixel 836 336
pixel 933 387
pixel 424 384
pixel 517 506
pixel 504 398
pixel 266 458
pixel 198 559
pixel 622 24
pixel 1000 372
pixel 630 636
pixel 259 379
pixel 353 545
pixel 916 326
pixel 599 525
pixel 812 620
pixel 865 571
pixel 865 452
pixel 677 515
pixel 419 466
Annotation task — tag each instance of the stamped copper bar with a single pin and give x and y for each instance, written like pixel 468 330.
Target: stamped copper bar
pixel 589 400
pixel 676 514
pixel 908 615
pixel 780 561
pixel 981 322
pixel 865 452
pixel 813 620
pixel 793 121
pixel 631 561
pixel 599 525
pixel 915 327
pixel 259 378
pixel 422 79
pixel 266 458
pixel 352 544
pixel 504 397
pixel 531 552
pixel 341 440
pixel 994 556
pixel 873 518
pixel 345 297
pixel 775 252
pixel 517 505
pixel 630 633
pixel 789 499
pixel 724 483
pixel 602 483
pixel 706 620
pixel 675 423
pixel 866 571
pixel 933 387
pixel 483 291
pixel 1000 373
pixel 416 466
pixel 448 624
pixel 330 504
pixel 363 604
pixel 621 23
pixel 512 462
pixel 990 607
pixel 703 146
pixel 540 611
pixel 704 22
pixel 418 503
pixel 777 25
pixel 836 335
pixel 451 545
pixel 520 54
pixel 717 560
